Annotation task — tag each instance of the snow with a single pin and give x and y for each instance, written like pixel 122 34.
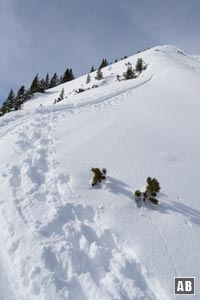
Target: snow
pixel 61 238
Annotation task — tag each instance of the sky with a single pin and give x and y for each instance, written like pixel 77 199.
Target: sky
pixel 40 36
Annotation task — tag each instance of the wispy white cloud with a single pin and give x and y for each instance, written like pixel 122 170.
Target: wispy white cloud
pixel 166 22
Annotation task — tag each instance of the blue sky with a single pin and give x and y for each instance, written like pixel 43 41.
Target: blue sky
pixel 40 36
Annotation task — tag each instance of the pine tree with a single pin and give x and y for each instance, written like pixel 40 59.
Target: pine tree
pixel 61 96
pixel 20 98
pixel 27 95
pixel 99 75
pixel 62 93
pixel 53 81
pixel 139 65
pixel 35 85
pixel 67 76
pixel 21 92
pixel 92 69
pixel 103 64
pixel 9 102
pixel 88 79
pixel 130 73
pixel 60 79
pixel 4 109
pixel 72 77
pixel 42 86
pixel 47 81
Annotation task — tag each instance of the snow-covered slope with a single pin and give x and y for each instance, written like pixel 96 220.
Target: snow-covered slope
pixel 62 239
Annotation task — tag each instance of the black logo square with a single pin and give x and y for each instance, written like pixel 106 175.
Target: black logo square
pixel 184 286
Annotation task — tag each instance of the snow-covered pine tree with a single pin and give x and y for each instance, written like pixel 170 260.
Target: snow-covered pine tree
pixel 88 79
pixel 61 96
pixel 99 75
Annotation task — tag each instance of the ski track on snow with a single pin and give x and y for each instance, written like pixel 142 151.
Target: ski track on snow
pixel 133 162
pixel 100 100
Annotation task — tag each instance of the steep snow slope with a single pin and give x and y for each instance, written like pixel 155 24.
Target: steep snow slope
pixel 63 239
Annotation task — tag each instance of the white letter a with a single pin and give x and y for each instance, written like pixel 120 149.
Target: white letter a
pixel 180 286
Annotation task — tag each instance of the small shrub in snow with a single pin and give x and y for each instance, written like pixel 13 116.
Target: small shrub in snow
pixel 140 66
pixel 118 77
pixel 130 73
pixel 80 90
pixel 98 175
pixel 181 52
pixel 61 96
pixel 137 193
pixel 153 187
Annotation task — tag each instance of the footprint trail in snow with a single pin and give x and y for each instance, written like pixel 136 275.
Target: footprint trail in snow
pixel 74 257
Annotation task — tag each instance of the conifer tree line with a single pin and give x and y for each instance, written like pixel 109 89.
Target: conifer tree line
pixel 15 102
